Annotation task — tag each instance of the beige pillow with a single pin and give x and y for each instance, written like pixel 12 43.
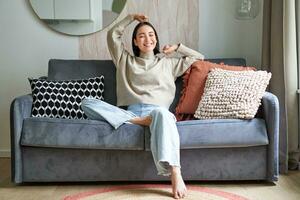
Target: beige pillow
pixel 232 94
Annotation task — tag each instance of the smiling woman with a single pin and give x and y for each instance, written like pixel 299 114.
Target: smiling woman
pixel 77 17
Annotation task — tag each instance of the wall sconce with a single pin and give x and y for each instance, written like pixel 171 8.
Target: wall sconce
pixel 247 9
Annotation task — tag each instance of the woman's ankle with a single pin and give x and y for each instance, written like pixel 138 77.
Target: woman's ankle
pixel 175 170
pixel 144 121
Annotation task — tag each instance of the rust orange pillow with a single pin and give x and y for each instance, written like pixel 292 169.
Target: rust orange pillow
pixel 193 86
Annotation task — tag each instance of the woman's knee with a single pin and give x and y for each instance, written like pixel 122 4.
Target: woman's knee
pixel 89 104
pixel 89 107
pixel 85 103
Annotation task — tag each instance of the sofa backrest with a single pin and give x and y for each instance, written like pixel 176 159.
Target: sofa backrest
pixel 81 69
pixel 78 69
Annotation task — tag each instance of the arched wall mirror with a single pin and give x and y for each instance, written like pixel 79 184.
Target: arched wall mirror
pixel 77 17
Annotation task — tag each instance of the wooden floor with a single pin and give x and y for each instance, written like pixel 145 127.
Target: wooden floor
pixel 287 188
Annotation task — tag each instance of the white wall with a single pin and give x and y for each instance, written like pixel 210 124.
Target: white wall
pixel 107 4
pixel 26 45
pixel 223 36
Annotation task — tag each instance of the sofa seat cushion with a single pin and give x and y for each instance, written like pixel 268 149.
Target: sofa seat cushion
pixel 220 133
pixel 85 134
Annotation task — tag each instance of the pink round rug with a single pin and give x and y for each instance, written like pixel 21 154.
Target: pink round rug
pixel 152 191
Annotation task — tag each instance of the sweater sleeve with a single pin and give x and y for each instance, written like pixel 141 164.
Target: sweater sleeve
pixel 180 65
pixel 114 40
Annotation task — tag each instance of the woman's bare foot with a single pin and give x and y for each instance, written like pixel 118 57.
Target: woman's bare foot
pixel 178 186
pixel 144 121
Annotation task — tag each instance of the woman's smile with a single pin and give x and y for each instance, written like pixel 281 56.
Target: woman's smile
pixel 145 39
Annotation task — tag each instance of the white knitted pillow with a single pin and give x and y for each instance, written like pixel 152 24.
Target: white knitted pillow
pixel 232 94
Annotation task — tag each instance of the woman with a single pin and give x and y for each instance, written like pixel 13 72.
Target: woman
pixel 145 83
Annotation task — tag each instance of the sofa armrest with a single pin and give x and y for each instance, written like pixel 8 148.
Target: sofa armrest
pixel 271 115
pixel 19 110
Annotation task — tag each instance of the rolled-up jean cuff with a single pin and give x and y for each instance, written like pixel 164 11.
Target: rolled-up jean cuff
pixel 164 167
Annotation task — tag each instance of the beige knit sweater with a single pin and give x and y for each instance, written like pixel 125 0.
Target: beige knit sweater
pixel 148 79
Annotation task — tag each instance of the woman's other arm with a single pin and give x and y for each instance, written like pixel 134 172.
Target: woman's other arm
pixel 180 65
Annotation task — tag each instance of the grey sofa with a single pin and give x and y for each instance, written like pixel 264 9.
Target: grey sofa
pixel 62 150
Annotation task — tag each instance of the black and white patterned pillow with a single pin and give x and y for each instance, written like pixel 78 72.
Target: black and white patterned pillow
pixel 62 99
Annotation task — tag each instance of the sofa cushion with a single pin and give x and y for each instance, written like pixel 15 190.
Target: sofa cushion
pixel 92 134
pixel 62 99
pixel 219 133
pixel 232 94
pixel 222 133
pixel 194 83
pixel 85 134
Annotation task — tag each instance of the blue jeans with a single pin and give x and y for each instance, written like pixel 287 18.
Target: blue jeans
pixel 164 134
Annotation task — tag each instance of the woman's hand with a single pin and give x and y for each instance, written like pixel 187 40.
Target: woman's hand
pixel 168 49
pixel 140 17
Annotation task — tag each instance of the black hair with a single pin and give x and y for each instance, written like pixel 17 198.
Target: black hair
pixel 135 48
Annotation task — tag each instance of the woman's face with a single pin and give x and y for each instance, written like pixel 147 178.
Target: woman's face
pixel 145 39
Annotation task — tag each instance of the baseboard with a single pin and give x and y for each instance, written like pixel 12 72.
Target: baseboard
pixel 4 153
